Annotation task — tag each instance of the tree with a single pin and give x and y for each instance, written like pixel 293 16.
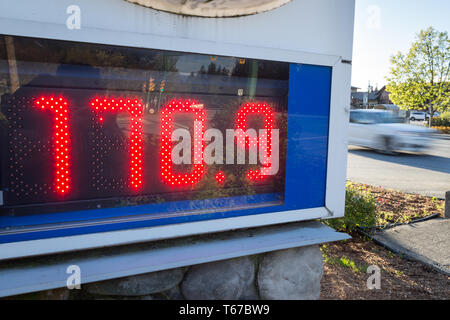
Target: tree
pixel 419 79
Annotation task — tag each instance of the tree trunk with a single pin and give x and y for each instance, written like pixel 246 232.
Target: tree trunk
pixel 430 119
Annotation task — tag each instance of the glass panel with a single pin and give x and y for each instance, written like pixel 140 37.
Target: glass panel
pixel 86 126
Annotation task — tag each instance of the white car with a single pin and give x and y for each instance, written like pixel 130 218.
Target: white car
pixel 417 115
pixel 384 131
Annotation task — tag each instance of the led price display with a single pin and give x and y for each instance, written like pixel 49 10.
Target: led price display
pixel 86 126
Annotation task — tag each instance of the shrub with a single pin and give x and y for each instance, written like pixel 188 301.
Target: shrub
pixel 360 210
pixel 443 120
pixel 445 115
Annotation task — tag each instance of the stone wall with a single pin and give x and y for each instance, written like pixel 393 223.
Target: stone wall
pixel 291 274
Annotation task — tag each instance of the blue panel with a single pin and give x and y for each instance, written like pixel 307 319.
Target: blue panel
pixel 308 122
pixel 153 211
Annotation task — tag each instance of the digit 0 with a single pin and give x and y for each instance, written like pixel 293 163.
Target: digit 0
pixel 167 115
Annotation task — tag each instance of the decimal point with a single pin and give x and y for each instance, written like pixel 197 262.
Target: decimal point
pixel 220 177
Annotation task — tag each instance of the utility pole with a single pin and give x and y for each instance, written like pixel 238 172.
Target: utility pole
pixel 12 63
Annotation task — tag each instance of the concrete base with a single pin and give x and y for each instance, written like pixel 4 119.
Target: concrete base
pixel 218 266
pixel 291 274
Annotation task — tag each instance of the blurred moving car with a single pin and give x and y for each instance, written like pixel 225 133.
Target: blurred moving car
pixel 417 115
pixel 384 131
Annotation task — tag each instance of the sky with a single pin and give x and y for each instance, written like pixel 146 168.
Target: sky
pixel 385 27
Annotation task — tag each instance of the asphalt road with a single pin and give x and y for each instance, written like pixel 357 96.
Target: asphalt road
pixel 427 174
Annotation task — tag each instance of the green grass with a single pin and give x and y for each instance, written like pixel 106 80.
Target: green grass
pixel 343 261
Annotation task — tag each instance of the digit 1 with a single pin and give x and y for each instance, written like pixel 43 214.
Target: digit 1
pixel 264 140
pixel 167 114
pixel 60 109
pixel 135 108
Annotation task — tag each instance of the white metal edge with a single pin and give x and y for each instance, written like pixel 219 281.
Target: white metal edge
pixel 337 141
pixel 152 41
pixel 45 275
pixel 338 137
pixel 97 240
pixel 333 203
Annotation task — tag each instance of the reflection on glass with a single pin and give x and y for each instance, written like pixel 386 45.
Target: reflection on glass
pixel 100 143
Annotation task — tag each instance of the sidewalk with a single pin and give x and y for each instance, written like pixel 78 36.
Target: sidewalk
pixel 427 241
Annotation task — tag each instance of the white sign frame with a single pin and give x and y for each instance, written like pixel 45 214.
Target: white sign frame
pixel 337 145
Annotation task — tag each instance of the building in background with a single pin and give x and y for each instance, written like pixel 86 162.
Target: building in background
pixel 369 99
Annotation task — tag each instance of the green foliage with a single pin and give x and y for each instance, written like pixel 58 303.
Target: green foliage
pixel 326 257
pixel 360 210
pixel 419 79
pixel 399 273
pixel 348 263
pixel 443 120
pixel 343 261
pixel 440 122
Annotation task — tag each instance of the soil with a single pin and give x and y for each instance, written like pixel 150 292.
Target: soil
pixel 399 207
pixel 401 279
pixel 346 262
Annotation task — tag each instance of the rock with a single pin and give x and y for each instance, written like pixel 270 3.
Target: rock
pixel 171 294
pixel 54 294
pixel 114 298
pixel 140 285
pixel 292 274
pixel 251 293
pixel 221 280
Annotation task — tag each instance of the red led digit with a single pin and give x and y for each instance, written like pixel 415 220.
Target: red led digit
pixel 241 123
pixel 134 107
pixel 220 177
pixel 61 135
pixel 167 114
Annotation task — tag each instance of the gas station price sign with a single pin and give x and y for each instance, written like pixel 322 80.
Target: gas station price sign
pixel 135 137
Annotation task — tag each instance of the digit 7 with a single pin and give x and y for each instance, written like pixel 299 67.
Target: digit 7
pixel 60 109
pixel 135 108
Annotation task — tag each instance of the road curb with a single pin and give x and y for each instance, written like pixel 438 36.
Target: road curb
pixel 413 256
pixel 409 254
pixel 378 229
